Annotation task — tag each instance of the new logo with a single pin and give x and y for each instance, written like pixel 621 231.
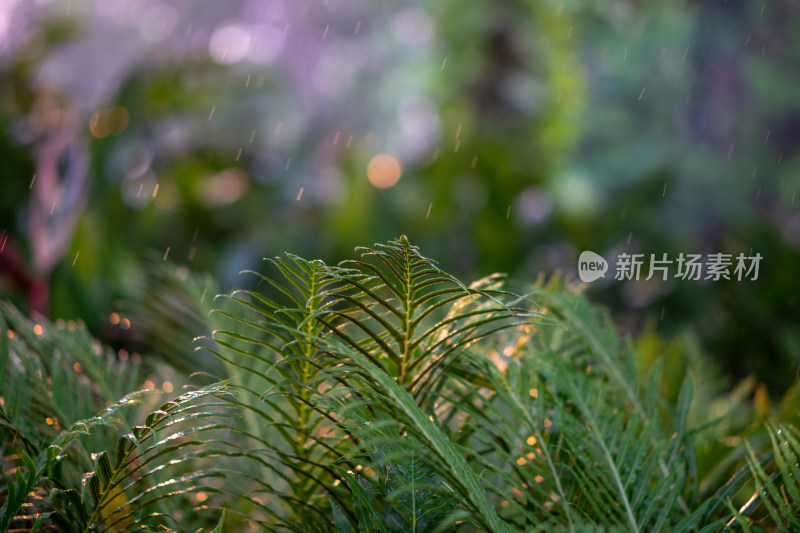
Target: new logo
pixel 591 266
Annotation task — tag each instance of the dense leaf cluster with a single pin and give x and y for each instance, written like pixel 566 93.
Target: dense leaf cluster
pixel 382 394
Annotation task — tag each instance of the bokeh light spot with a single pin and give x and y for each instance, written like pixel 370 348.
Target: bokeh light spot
pixel 223 188
pixel 229 44
pixel 383 171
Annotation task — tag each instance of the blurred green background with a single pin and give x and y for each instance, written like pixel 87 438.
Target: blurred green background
pixel 212 134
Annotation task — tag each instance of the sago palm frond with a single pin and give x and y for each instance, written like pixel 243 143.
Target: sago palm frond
pixel 382 394
pixel 69 470
pixel 395 313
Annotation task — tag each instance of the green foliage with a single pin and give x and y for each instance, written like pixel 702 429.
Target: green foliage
pixel 18 487
pixel 102 472
pixel 382 394
pixel 390 325
pixel 409 494
pixel 544 416
pixel 52 376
